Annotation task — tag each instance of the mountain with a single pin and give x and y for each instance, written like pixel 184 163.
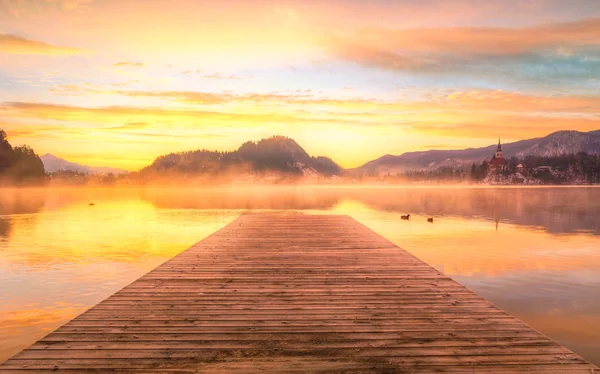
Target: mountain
pixel 555 144
pixel 53 164
pixel 275 154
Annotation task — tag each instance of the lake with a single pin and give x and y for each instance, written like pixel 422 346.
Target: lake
pixel 534 252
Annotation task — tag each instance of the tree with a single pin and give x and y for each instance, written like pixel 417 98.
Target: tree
pixel 19 164
pixel 6 153
pixel 27 165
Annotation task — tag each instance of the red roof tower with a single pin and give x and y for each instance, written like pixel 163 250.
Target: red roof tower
pixel 498 158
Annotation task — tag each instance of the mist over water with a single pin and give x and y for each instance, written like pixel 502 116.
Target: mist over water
pixel 534 252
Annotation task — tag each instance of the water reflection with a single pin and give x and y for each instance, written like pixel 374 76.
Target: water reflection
pixel 534 252
pixel 15 201
pixel 549 280
pixel 556 209
pixel 249 197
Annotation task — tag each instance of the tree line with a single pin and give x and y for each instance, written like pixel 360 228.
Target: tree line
pixel 579 167
pixel 20 164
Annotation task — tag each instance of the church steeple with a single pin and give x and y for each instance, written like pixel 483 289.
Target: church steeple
pixel 499 150
pixel 497 162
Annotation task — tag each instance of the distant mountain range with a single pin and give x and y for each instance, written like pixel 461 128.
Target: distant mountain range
pixel 53 164
pixel 555 144
pixel 283 155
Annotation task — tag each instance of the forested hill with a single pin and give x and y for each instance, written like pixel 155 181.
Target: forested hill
pixel 556 144
pixel 19 165
pixel 275 154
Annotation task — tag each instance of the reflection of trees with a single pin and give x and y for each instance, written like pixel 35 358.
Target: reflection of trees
pixel 4 227
pixel 16 201
pixel 558 210
pixel 279 198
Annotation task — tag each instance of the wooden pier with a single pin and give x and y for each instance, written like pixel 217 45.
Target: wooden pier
pixel 293 293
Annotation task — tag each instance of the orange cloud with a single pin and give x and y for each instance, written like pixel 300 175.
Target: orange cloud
pixel 452 101
pixel 128 64
pixel 190 97
pixel 212 98
pixel 508 126
pixel 116 115
pixel 498 100
pixel 131 126
pixel 371 55
pixel 16 129
pixel 17 45
pixel 69 4
pixel 426 48
pixel 220 76
pixel 215 76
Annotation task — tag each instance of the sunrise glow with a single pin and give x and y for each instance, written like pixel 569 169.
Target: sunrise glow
pixel 120 82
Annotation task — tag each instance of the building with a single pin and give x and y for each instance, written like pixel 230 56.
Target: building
pixel 497 162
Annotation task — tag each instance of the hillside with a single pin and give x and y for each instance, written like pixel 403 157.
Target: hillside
pixel 276 154
pixel 20 164
pixel 555 144
pixel 53 164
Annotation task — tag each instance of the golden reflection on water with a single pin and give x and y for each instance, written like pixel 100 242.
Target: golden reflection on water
pixel 449 243
pixel 533 252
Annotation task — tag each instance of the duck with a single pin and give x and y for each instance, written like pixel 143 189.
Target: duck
pixel 430 219
pixel 405 217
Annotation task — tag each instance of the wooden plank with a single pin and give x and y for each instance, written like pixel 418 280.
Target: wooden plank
pixel 296 293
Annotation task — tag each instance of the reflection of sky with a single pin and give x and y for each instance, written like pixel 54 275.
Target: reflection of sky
pixel 59 256
pixel 563 305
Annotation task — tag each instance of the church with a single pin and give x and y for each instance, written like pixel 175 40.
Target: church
pixel 497 162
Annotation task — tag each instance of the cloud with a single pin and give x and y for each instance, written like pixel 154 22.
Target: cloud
pixel 18 8
pixel 215 76
pixel 118 115
pixel 19 129
pixel 503 101
pixel 68 90
pixel 131 126
pixel 69 4
pixel 221 76
pixel 508 126
pixel 123 84
pixel 17 45
pixel 128 64
pixel 189 97
pixel 427 49
pixel 133 121
pixel 467 101
pixel 373 56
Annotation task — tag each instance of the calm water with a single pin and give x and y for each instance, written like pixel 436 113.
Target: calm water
pixel 535 252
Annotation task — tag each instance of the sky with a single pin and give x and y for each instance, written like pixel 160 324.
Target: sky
pixel 119 82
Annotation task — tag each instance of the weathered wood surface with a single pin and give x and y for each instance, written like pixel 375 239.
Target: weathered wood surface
pixel 296 293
